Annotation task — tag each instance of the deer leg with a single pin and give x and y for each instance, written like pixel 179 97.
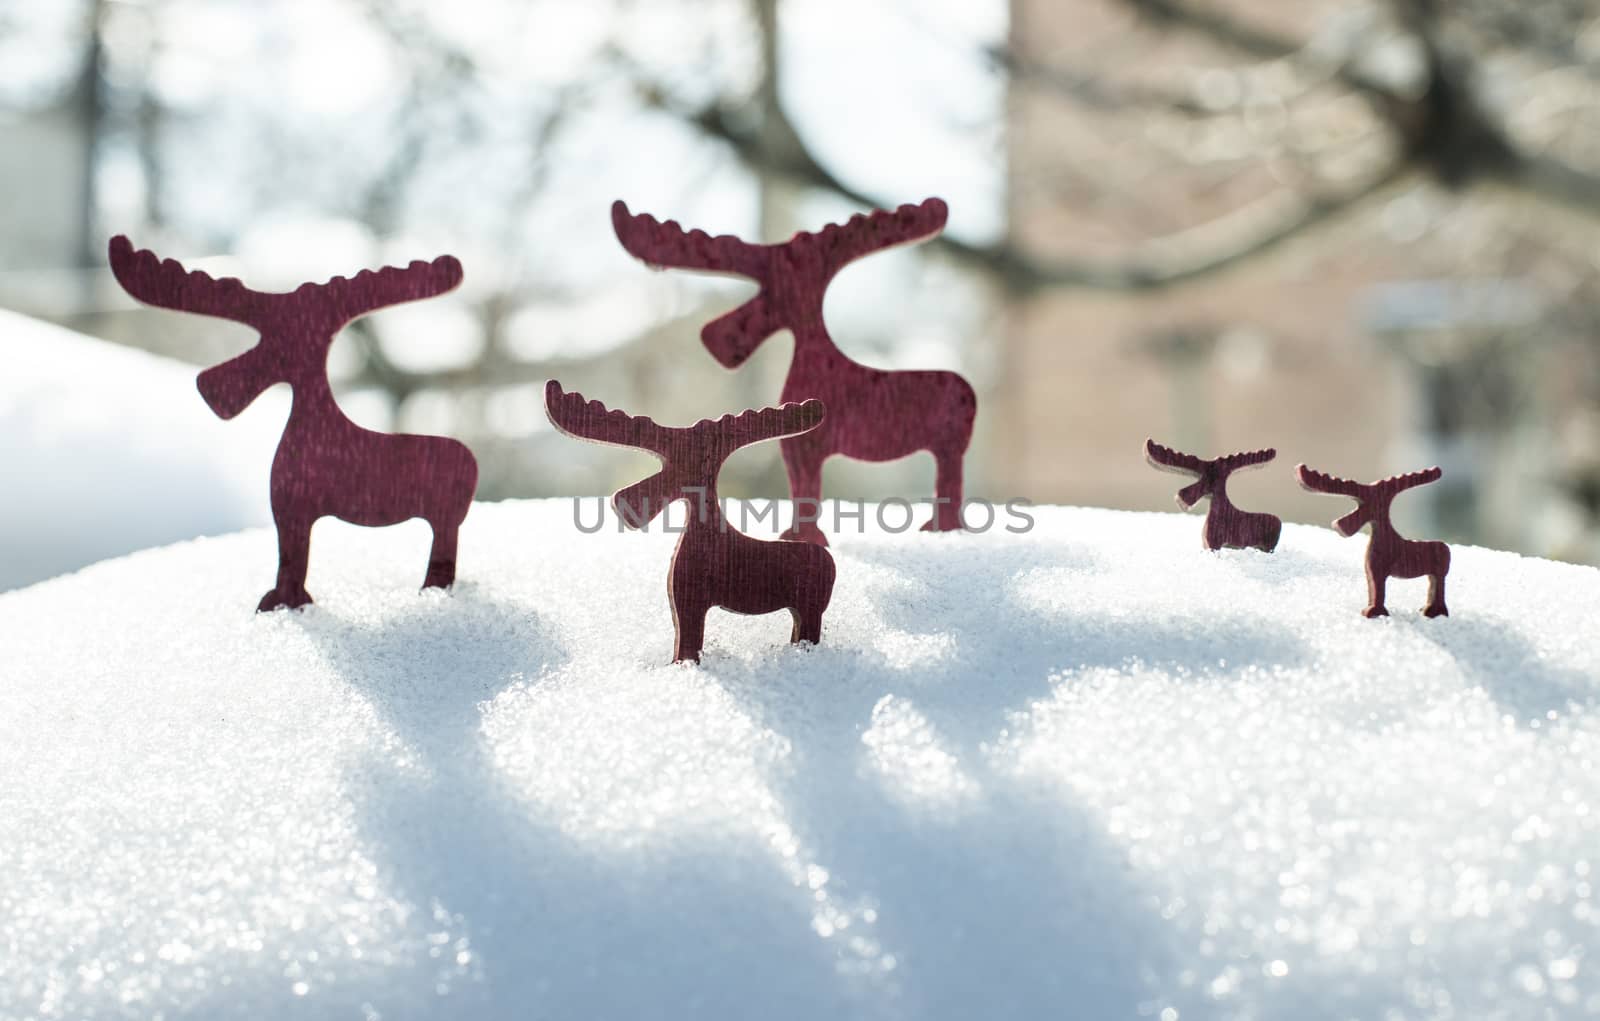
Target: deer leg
pixel 1271 530
pixel 807 627
pixel 442 558
pixel 807 624
pixel 691 626
pixel 1436 607
pixel 1376 581
pixel 812 596
pixel 804 468
pixel 294 556
pixel 946 493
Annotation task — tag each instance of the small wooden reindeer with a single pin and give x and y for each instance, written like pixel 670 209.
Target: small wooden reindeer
pixel 1389 555
pixel 873 415
pixel 714 565
pixel 1226 525
pixel 325 463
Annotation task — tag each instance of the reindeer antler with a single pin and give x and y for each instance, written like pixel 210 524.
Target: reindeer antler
pixel 1246 459
pixel 166 284
pixel 766 424
pixel 370 290
pixel 1169 460
pixel 1410 480
pixel 591 420
pixel 661 244
pixel 1321 482
pixel 868 233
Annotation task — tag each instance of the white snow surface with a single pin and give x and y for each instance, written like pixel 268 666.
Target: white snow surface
pixel 105 450
pixel 1090 771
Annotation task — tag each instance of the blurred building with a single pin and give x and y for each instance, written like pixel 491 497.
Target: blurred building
pixel 1370 345
pixel 1271 354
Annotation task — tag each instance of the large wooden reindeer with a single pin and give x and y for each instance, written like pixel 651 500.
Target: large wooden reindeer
pixel 325 463
pixel 1389 555
pixel 873 415
pixel 714 565
pixel 1226 525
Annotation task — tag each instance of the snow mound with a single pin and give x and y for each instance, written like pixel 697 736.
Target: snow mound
pixel 1088 771
pixel 105 450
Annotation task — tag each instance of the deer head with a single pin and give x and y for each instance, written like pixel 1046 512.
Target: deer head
pixel 1211 475
pixel 691 457
pixel 296 328
pixel 793 276
pixel 1372 501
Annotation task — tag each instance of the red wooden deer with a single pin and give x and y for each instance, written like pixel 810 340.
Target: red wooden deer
pixel 714 565
pixel 325 463
pixel 1226 525
pixel 1389 555
pixel 872 415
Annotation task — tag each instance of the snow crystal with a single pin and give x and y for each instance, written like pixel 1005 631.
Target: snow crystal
pixel 1090 771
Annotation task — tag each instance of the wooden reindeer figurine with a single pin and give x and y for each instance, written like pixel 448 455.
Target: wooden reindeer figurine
pixel 1389 555
pixel 1226 527
pixel 325 463
pixel 714 565
pixel 872 415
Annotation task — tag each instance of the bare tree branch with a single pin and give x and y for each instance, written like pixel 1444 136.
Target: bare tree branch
pixel 1219 26
pixel 1235 238
pixel 495 366
pixel 1093 91
pixel 1445 131
pixel 1252 40
pixel 770 144
pixel 1553 181
pixel 1543 30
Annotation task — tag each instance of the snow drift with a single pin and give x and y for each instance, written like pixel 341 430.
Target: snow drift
pixel 105 450
pixel 1089 771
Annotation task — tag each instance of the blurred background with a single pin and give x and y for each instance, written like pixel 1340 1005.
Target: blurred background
pixel 1365 233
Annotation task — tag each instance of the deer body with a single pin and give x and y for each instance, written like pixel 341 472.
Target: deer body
pixel 325 464
pixel 713 565
pixel 1226 525
pixel 874 415
pixel 1389 554
pixel 716 566
pixel 880 398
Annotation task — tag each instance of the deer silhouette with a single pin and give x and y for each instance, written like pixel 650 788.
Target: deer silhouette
pixel 1226 525
pixel 1389 555
pixel 714 565
pixel 873 415
pixel 325 464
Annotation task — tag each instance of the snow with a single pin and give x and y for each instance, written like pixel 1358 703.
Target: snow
pixel 105 450
pixel 1088 771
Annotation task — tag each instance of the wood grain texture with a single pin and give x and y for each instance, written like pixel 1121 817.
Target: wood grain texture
pixel 1389 555
pixel 1226 526
pixel 873 415
pixel 714 564
pixel 325 464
